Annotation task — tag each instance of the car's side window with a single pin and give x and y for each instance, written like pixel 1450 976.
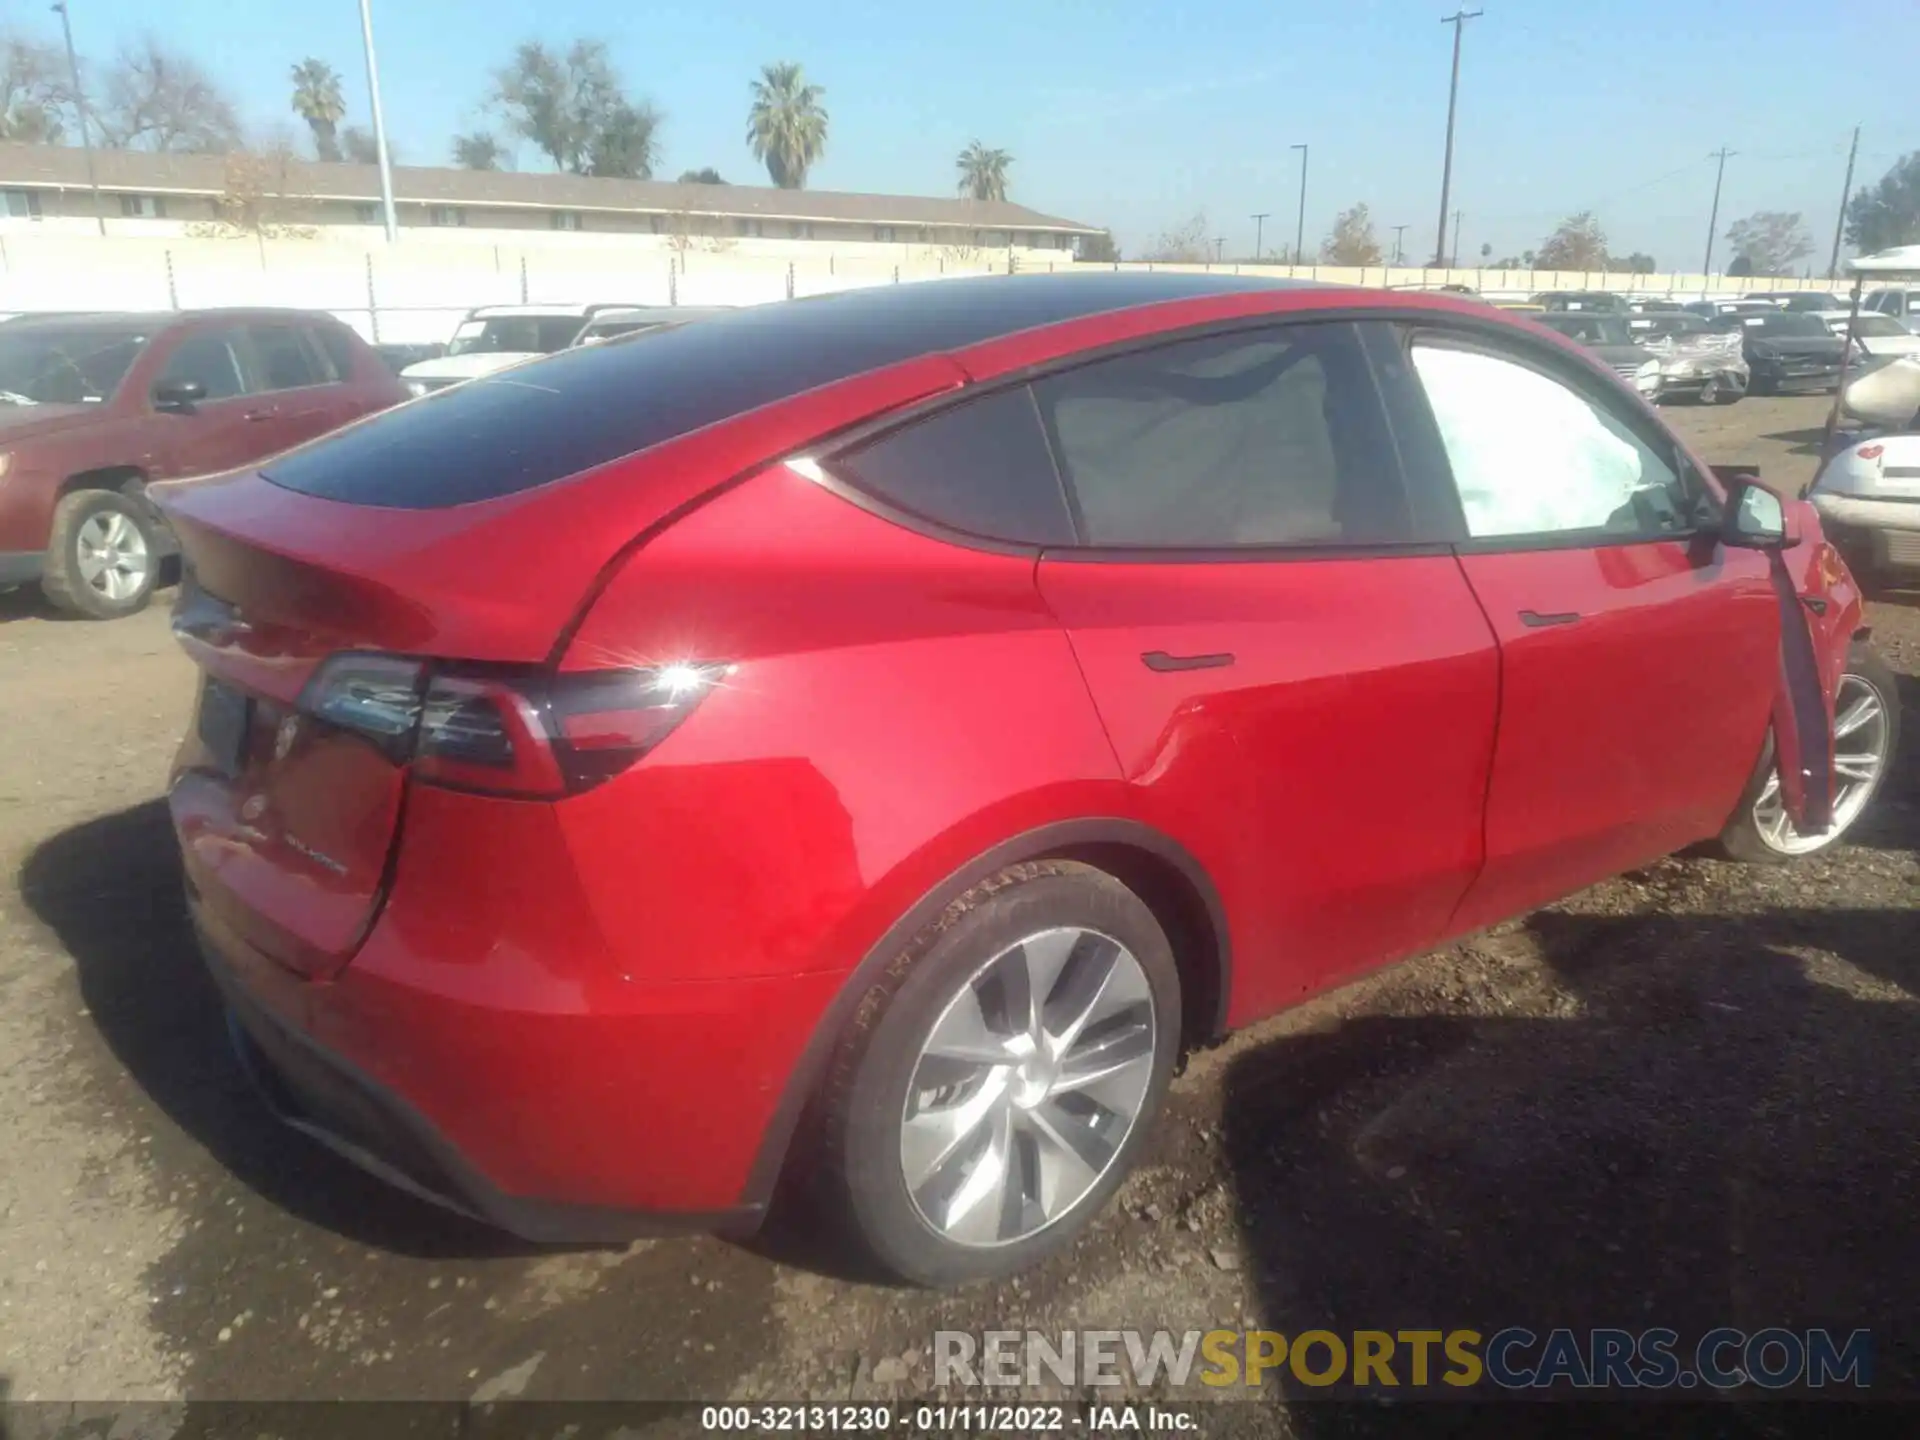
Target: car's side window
pixel 980 467
pixel 1534 456
pixel 286 362
pixel 334 348
pixel 211 359
pixel 1272 437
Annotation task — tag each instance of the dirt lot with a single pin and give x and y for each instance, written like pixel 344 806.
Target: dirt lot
pixel 1686 1098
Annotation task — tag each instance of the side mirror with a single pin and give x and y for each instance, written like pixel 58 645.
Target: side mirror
pixel 1756 518
pixel 178 395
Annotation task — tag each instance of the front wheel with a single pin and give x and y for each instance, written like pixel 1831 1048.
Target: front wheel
pixel 1866 728
pixel 102 557
pixel 999 1083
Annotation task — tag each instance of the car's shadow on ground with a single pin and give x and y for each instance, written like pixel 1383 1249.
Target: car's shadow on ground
pixel 110 890
pixel 1811 441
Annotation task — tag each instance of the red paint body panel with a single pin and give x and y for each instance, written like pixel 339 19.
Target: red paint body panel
pixel 1331 778
pixel 1629 732
pixel 899 705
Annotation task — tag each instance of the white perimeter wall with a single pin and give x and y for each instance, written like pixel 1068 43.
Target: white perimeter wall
pixel 417 293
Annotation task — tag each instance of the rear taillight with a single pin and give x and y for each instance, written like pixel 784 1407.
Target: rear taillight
pixel 503 730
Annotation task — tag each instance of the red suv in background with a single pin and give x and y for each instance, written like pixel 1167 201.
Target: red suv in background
pixel 879 732
pixel 95 407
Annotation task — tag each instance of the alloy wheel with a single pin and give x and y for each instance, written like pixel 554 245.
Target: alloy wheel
pixel 1027 1087
pixel 113 555
pixel 1861 733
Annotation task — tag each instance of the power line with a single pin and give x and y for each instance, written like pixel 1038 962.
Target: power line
pixel 1458 20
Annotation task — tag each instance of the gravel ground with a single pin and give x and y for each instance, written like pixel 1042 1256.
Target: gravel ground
pixel 1686 1097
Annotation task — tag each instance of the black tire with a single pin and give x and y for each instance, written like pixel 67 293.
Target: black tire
pixel 64 583
pixel 1757 386
pixel 866 1090
pixel 1741 839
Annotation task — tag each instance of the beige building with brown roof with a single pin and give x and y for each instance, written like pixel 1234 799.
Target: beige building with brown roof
pixel 45 188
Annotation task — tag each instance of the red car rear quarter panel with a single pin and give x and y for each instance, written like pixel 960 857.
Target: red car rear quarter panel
pixel 573 991
pixel 899 706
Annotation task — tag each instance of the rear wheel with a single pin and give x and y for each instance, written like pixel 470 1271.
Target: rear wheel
pixel 1001 1079
pixel 102 559
pixel 1866 724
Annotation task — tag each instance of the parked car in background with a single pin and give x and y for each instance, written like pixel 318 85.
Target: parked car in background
pixel 1868 490
pixel 633 320
pixel 874 737
pixel 1712 309
pixel 1797 299
pixel 1785 350
pixel 1609 337
pixel 1696 361
pixel 1604 302
pixel 493 337
pixel 1655 305
pixel 1897 302
pixel 398 357
pixel 94 408
pixel 1879 335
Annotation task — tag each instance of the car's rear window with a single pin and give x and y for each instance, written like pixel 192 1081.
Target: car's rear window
pixel 549 419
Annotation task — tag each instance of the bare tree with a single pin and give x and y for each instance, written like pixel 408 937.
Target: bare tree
pixel 1770 241
pixel 1579 244
pixel 1183 245
pixel 260 193
pixel 1351 241
pixel 35 96
pixel 159 100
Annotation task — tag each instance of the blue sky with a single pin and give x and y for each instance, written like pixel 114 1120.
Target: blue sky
pixel 1139 116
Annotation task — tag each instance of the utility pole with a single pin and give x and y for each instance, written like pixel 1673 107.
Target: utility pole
pixel 1259 228
pixel 1458 20
pixel 1713 217
pixel 379 124
pixel 1219 247
pixel 80 105
pixel 1300 223
pixel 1398 231
pixel 1454 258
pixel 1840 221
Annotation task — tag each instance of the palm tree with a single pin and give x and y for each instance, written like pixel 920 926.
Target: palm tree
pixel 317 100
pixel 983 172
pixel 786 128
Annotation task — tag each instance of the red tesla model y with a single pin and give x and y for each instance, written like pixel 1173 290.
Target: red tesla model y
pixel 878 733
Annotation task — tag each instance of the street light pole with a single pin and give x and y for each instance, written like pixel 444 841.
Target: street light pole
pixel 379 123
pixel 1259 228
pixel 1458 20
pixel 1300 224
pixel 80 107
